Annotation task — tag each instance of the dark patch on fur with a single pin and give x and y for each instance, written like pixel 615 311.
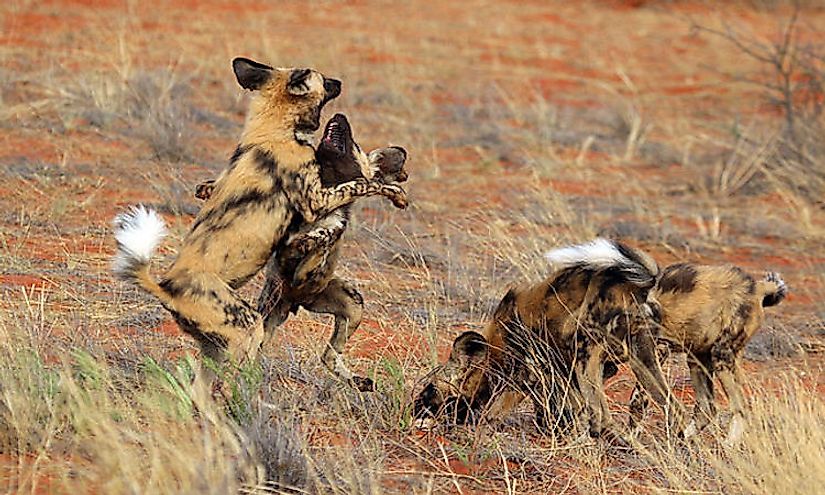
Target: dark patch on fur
pixel 562 281
pixel 506 308
pixel 189 326
pixel 298 76
pixel 744 312
pixel 678 278
pixel 238 315
pixel 181 285
pixel 427 403
pixel 633 256
pixel 356 296
pixel 266 162
pixel 610 278
pixel 751 288
pixel 655 311
pixel 609 370
pixel 470 344
pixel 240 151
pixel 250 197
pixel 171 288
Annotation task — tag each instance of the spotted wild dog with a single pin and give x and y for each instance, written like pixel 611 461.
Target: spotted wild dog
pixel 272 178
pixel 710 313
pixel 555 342
pixel 301 273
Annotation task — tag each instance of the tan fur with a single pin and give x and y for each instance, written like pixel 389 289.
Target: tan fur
pixel 550 341
pixel 301 273
pixel 711 312
pixel 272 177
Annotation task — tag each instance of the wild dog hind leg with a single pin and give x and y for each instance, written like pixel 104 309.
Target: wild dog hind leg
pixel 726 367
pixel 701 377
pixel 345 303
pixel 272 305
pixel 644 361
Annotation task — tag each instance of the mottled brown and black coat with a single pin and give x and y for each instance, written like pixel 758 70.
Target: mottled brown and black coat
pixel 271 178
pixel 553 342
pixel 301 273
pixel 711 312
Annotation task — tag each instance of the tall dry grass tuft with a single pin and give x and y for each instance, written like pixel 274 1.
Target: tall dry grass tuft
pixel 85 425
pixel 151 105
pixel 781 452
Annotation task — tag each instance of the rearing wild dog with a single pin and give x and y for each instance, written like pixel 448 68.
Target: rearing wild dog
pixel 554 341
pixel 271 178
pixel 710 312
pixel 301 272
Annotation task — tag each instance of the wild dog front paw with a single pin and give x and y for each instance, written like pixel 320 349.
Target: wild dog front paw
pixel 396 194
pixel 204 190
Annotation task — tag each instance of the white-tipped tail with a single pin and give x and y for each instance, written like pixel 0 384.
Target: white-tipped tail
pixel 598 253
pixel 138 232
pixel 602 254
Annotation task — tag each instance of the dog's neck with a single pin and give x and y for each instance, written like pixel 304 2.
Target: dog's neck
pixel 272 128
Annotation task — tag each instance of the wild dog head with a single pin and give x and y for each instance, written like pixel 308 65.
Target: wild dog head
pixel 453 388
pixel 342 159
pixel 388 164
pixel 297 94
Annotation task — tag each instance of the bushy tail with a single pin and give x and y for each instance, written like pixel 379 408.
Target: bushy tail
pixel 603 254
pixel 771 290
pixel 138 232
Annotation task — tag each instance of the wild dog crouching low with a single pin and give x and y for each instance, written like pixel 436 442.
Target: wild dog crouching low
pixel 554 341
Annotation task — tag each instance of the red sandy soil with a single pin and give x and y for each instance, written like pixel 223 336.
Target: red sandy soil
pixel 437 55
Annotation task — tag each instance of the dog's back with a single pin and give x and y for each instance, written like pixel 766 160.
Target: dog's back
pixel 698 304
pixel 542 328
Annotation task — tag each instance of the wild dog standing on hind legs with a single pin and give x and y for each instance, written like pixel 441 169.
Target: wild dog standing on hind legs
pixel 301 272
pixel 271 178
pixel 710 312
pixel 555 341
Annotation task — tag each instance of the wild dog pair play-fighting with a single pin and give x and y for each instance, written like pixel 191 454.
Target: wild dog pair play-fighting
pixel 272 183
pixel 605 303
pixel 301 272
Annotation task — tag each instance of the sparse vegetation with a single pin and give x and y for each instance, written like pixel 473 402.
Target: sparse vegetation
pixel 528 126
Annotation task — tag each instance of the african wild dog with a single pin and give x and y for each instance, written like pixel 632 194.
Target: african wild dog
pixel 554 342
pixel 710 312
pixel 301 272
pixel 272 178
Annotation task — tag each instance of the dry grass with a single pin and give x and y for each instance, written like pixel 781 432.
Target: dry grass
pixel 528 128
pixel 91 422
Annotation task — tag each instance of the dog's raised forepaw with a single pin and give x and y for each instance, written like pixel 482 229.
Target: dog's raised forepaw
pixel 396 194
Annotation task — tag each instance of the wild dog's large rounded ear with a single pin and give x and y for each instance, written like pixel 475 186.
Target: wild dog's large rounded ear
pixel 469 348
pixel 250 74
pixel 297 84
pixel 390 161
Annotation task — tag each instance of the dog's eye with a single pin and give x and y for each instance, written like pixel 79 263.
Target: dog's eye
pixel 298 80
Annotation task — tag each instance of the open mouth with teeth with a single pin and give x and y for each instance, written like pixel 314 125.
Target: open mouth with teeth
pixel 337 139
